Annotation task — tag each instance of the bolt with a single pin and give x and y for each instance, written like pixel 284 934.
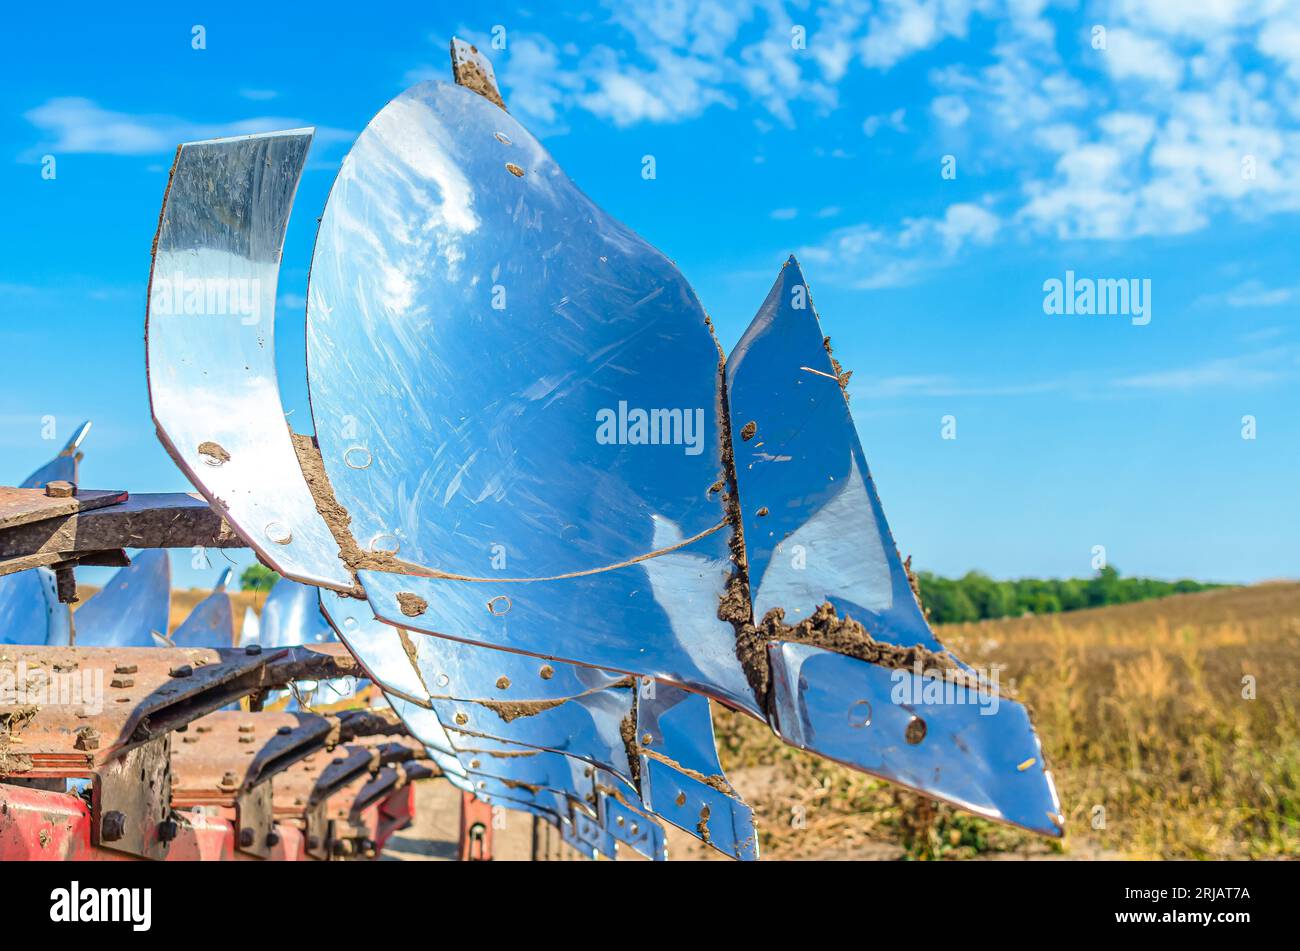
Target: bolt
pixel 185 670
pixel 229 779
pixel 313 842
pixel 59 489
pixel 915 731
pixel 248 739
pixel 126 669
pixel 112 827
pixel 87 738
pixel 167 830
pixel 122 682
pixel 272 839
pixel 246 728
pixel 246 838
pixel 252 650
pixel 284 731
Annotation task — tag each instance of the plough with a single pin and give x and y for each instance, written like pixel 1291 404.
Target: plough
pixel 542 521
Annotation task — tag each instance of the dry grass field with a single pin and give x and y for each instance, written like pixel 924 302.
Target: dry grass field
pixel 1145 718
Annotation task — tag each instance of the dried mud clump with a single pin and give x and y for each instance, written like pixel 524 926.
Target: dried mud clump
pixel 702 827
pixel 748 430
pixel 214 451
pixel 627 730
pixel 515 709
pixel 828 630
pixel 335 515
pixel 840 373
pixel 751 648
pixel 469 75
pixel 412 605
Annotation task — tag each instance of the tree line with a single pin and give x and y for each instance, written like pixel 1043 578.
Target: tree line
pixel 975 596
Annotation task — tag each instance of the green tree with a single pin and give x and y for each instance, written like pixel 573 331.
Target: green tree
pixel 257 577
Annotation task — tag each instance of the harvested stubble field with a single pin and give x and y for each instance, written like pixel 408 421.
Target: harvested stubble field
pixel 1156 750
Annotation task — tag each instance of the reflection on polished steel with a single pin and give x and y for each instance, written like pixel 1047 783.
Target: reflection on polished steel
pixel 814 528
pixel 589 830
pixel 815 533
pixel 674 732
pixel 379 647
pixel 211 623
pixel 670 601
pixel 211 346
pixel 539 770
pixel 521 336
pixel 292 616
pixel 30 611
pixel 961 749
pixel 133 608
pixel 63 467
pixel 457 680
pixel 250 632
pixel 634 829
pixel 586 727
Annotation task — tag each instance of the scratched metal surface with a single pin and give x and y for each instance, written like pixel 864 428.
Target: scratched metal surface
pixel 814 527
pixel 63 467
pixel 210 346
pixel 815 532
pixel 30 612
pixel 496 471
pixel 212 622
pixel 131 608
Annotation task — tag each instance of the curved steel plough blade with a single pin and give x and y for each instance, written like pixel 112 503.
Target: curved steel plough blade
pixel 853 669
pixel 211 623
pixel 133 609
pixel 210 344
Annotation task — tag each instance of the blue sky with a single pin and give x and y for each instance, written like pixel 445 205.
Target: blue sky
pixel 1161 148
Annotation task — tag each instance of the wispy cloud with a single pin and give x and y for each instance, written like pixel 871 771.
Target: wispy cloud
pixel 1259 369
pixel 1252 294
pixel 76 125
pixel 868 257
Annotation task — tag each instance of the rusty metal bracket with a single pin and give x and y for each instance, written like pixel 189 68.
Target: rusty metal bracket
pixel 35 530
pixel 255 819
pixel 132 801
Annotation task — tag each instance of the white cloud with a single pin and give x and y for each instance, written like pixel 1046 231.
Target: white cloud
pixel 78 125
pixel 1130 55
pixel 903 27
pixel 950 110
pixel 1252 294
pixel 258 95
pixel 1252 370
pixel 785 214
pixel 894 120
pixel 869 257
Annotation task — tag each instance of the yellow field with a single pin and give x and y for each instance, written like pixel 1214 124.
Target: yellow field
pixel 1155 749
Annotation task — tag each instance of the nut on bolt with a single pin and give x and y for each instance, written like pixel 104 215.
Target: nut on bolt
pixel 112 826
pixel 60 489
pixel 87 738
